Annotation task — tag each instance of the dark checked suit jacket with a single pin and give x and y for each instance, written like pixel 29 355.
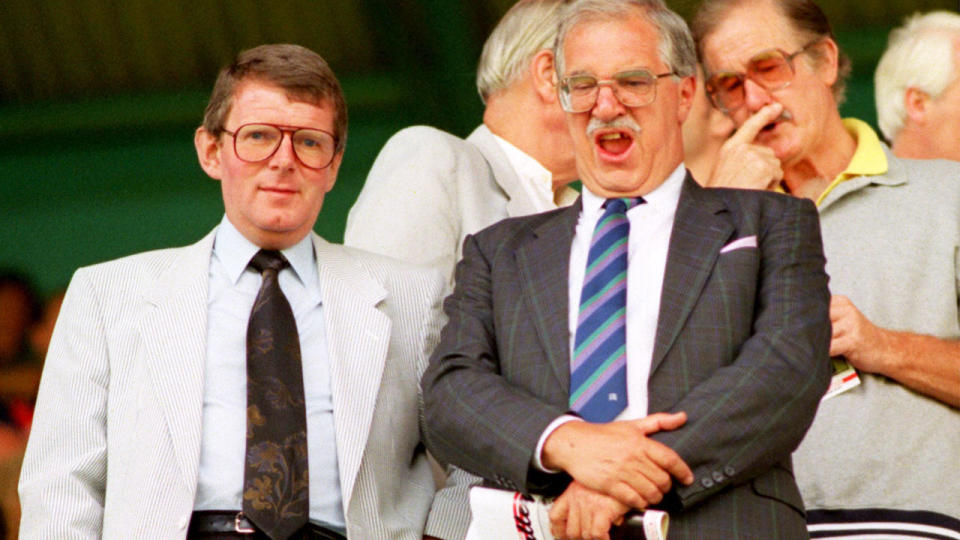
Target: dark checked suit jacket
pixel 741 346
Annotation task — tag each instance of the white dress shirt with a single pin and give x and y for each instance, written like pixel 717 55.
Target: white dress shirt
pixel 232 290
pixel 650 226
pixel 537 180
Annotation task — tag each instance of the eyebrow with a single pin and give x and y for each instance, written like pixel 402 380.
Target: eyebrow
pixel 581 72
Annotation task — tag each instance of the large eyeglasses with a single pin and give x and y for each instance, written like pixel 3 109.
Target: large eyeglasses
pixel 635 88
pixel 772 69
pixel 257 142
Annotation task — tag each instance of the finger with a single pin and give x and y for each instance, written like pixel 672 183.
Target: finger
pixel 626 494
pixel 661 422
pixel 586 514
pixel 747 132
pixel 836 347
pixel 558 516
pixel 671 462
pixel 651 491
pixel 838 312
pixel 573 521
pixel 599 524
pixel 840 300
pixel 840 346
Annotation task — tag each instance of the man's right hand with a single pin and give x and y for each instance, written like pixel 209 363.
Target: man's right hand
pixel 741 162
pixel 618 459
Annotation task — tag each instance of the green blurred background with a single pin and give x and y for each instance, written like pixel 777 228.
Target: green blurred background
pixel 99 100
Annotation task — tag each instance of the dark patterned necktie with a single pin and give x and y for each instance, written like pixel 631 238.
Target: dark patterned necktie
pixel 598 373
pixel 275 480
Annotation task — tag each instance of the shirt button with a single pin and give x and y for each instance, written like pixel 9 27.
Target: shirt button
pixel 184 521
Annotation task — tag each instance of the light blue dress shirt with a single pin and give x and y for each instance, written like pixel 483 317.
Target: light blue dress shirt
pixel 233 289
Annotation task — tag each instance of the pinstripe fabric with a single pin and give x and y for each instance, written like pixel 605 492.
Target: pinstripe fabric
pixel 741 346
pixel 598 373
pixel 116 436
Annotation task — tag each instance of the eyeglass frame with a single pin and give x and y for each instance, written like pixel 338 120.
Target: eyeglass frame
pixel 564 95
pixel 284 129
pixel 743 76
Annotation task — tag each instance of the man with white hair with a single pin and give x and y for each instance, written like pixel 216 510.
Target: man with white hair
pixel 918 87
pixel 429 189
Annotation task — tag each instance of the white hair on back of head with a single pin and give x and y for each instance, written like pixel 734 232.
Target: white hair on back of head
pixel 675 46
pixel 920 54
pixel 527 28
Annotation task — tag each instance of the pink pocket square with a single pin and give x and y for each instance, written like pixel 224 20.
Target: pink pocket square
pixel 740 243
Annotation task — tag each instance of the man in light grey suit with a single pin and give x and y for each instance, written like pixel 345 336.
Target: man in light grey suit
pixel 429 189
pixel 141 419
pixel 705 347
pixel 891 234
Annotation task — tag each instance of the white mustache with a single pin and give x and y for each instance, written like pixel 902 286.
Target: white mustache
pixel 625 122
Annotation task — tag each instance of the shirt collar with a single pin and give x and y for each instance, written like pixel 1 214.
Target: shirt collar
pixel 665 196
pixel 234 251
pixel 868 159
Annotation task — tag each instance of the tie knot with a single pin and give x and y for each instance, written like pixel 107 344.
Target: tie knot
pixel 268 259
pixel 622 204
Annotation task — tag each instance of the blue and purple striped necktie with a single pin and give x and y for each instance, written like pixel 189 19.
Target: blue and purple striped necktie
pixel 598 374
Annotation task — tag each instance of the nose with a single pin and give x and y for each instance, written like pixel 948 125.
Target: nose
pixel 284 157
pixel 607 106
pixel 755 96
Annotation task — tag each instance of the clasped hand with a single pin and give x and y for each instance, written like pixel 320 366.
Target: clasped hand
pixel 615 467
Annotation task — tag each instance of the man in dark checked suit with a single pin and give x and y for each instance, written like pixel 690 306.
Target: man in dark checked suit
pixel 655 344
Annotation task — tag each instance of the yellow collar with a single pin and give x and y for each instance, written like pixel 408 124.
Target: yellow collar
pixel 868 159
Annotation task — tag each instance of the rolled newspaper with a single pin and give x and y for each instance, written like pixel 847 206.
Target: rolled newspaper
pixel 499 514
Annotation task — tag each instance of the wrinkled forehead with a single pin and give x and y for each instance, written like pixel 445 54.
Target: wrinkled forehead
pixel 604 46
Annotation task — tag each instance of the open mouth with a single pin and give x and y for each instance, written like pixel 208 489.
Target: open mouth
pixel 614 144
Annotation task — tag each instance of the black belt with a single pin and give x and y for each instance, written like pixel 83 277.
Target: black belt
pixel 225 524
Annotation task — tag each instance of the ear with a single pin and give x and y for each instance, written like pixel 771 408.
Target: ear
pixel 542 75
pixel 828 63
pixel 915 104
pixel 688 89
pixel 332 171
pixel 208 152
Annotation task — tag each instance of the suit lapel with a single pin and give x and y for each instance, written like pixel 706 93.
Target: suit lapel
pixel 358 338
pixel 173 328
pixel 544 265
pixel 700 230
pixel 518 203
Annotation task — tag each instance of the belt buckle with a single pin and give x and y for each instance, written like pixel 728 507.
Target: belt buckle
pixel 242 525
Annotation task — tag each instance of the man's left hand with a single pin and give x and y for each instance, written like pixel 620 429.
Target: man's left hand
pixel 857 339
pixel 581 512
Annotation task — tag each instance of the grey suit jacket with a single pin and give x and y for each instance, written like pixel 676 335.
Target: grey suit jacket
pixel 741 346
pixel 428 189
pixel 115 445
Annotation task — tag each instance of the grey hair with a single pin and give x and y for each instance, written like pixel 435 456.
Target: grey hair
pixel 676 46
pixel 920 54
pixel 527 28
